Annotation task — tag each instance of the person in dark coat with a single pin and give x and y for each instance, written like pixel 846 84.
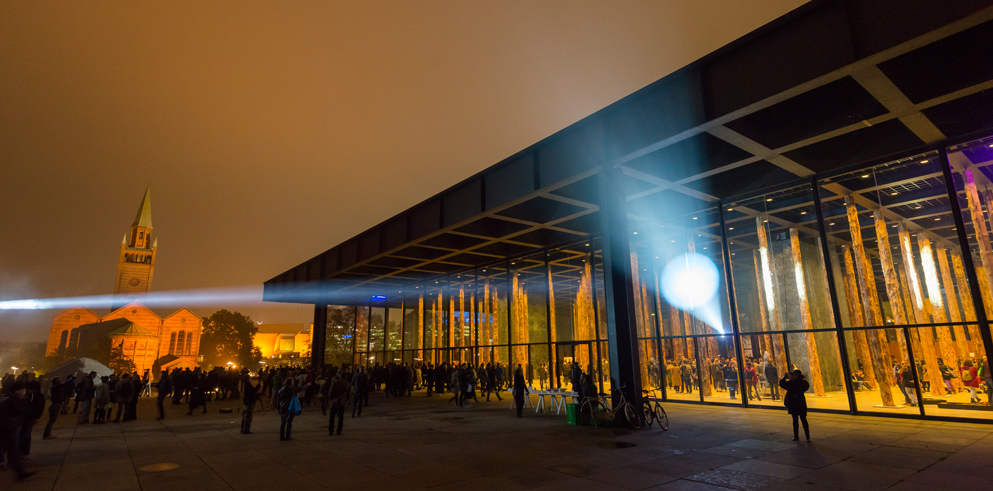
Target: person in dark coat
pixel 338 395
pixel 164 389
pixel 283 399
pixel 360 390
pixel 123 392
pixel 771 373
pixel 520 390
pixel 60 393
pixel 796 403
pixel 14 408
pixel 251 395
pixel 198 388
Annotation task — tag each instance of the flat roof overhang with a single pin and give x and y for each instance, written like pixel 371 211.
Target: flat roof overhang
pixel 828 86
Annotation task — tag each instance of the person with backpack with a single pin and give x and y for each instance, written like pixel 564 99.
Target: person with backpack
pixel 752 381
pixel 970 378
pixel 946 375
pixel 908 384
pixel 796 403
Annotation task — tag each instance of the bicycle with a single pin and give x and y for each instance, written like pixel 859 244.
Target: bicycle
pixel 653 412
pixel 593 405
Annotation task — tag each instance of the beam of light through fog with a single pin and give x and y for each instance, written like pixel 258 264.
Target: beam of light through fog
pixel 689 283
pixel 238 295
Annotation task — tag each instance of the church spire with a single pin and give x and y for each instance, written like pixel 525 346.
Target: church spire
pixel 144 216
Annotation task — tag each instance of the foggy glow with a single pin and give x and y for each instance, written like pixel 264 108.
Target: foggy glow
pixel 690 283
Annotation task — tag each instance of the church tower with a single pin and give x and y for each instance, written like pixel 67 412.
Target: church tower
pixel 137 259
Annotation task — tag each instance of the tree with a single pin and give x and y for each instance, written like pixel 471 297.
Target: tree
pixel 118 362
pixel 338 347
pixel 227 337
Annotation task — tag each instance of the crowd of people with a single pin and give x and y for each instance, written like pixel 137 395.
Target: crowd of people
pixel 681 376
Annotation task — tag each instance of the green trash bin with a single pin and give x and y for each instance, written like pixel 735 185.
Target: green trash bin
pixel 572 414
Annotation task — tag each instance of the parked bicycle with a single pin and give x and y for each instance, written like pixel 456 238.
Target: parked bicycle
pixel 593 406
pixel 653 412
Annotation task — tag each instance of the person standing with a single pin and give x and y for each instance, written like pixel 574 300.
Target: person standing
pixel 35 409
pixel 970 379
pixel 85 389
pixel 359 390
pixel 198 396
pixel 101 400
pixel 771 376
pixel 123 393
pixel 251 395
pixel 796 403
pixel 60 392
pixel 13 412
pixel 164 389
pixel 520 390
pixel 136 385
pixel 752 381
pixel 731 377
pixel 284 398
pixel 338 397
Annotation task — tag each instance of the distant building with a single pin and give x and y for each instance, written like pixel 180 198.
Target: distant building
pixel 148 339
pixel 286 342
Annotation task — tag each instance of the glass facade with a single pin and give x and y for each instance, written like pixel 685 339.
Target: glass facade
pixel 859 279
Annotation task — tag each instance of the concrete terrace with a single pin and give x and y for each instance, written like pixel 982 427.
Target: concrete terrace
pixel 422 443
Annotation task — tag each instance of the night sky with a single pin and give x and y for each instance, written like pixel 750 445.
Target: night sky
pixel 270 132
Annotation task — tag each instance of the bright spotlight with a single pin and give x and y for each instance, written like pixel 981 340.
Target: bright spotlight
pixel 690 283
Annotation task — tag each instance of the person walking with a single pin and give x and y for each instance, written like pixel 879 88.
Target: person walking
pixel 796 403
pixel 520 390
pixel 337 398
pixel 284 399
pixel 164 389
pixel 731 377
pixel 359 390
pixel 250 396
pixel 752 382
pixel 59 394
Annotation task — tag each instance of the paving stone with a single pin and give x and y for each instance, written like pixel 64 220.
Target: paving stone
pixel 735 480
pixel 779 471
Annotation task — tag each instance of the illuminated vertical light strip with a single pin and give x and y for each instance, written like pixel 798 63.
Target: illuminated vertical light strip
pixel 930 274
pixel 767 280
pixel 908 259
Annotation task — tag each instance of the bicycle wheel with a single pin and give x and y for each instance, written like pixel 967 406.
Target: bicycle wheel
pixel 661 417
pixel 646 408
pixel 633 419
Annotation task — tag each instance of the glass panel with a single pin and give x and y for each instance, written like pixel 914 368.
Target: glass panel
pixel 377 327
pixel 537 369
pixel 598 288
pixel 573 316
pixel 529 282
pixel 714 355
pixel 681 370
pixel 413 323
pixel 394 336
pixel 816 355
pixel 338 340
pixel 361 329
pixel 885 393
pixel 491 310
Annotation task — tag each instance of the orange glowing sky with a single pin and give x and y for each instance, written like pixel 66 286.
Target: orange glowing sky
pixel 271 131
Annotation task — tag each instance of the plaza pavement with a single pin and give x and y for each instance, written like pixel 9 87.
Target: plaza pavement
pixel 427 443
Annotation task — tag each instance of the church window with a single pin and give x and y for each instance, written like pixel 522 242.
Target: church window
pixel 179 343
pixel 141 235
pixel 73 339
pixel 63 340
pixel 172 344
pixel 189 342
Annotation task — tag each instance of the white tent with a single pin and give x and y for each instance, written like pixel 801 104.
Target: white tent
pixel 81 365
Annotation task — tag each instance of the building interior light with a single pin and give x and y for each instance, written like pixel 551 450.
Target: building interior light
pixel 865 176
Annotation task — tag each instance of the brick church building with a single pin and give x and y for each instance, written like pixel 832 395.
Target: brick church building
pixel 152 341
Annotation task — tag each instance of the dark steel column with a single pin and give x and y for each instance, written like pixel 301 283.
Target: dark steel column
pixel 970 267
pixel 548 320
pixel 735 331
pixel 833 293
pixel 618 287
pixel 318 335
pixel 913 367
